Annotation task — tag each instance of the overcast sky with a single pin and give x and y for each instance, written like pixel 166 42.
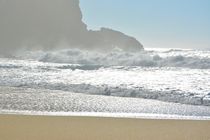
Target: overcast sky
pixel 155 23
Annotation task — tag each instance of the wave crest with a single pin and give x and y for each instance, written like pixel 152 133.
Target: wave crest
pixel 172 58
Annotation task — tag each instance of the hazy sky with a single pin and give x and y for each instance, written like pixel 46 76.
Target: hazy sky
pixel 155 23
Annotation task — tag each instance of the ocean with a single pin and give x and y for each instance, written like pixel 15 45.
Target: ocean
pixel 155 81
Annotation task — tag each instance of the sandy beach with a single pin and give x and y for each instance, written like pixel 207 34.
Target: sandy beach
pixel 23 127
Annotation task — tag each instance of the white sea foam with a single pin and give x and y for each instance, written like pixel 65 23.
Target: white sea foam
pixel 170 75
pixel 168 58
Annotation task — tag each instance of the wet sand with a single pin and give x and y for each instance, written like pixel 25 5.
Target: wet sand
pixel 23 127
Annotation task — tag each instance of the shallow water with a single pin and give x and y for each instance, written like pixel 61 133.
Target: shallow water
pixel 47 102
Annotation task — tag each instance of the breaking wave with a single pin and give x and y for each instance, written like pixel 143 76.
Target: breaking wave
pixel 169 58
pixel 168 75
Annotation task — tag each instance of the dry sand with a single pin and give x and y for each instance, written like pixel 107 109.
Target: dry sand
pixel 19 127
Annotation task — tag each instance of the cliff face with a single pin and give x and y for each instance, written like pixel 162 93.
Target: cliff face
pixel 43 24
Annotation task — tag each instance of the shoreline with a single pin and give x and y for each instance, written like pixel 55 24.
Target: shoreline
pixel 33 101
pixel 148 116
pixel 24 127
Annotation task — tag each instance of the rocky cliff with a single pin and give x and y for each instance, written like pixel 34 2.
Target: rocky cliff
pixel 45 24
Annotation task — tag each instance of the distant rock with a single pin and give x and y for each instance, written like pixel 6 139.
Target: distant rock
pixel 107 39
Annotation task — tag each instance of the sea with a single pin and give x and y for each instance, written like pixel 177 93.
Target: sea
pixel 155 82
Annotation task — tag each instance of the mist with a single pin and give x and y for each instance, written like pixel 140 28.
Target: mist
pixel 49 24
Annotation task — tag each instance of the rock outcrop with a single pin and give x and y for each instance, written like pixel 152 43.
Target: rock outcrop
pixel 45 24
